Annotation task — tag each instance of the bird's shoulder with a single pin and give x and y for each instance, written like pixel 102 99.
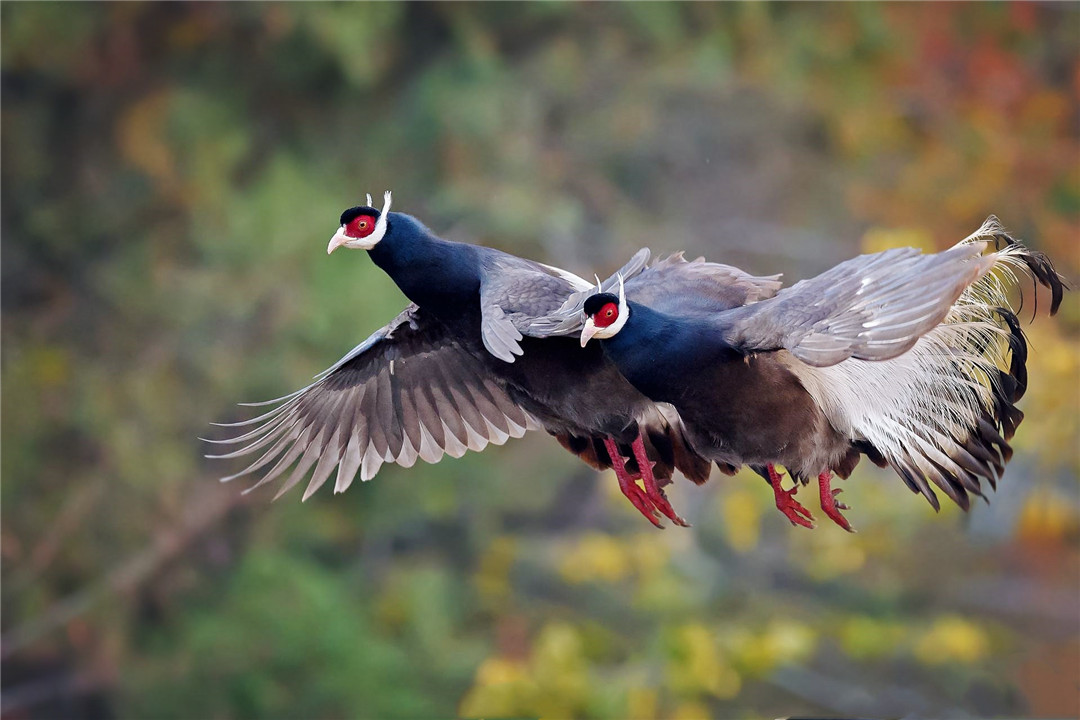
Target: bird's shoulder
pixel 525 288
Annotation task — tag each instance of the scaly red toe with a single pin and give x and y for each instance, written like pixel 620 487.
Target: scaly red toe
pixel 786 502
pixel 652 488
pixel 629 487
pixel 829 505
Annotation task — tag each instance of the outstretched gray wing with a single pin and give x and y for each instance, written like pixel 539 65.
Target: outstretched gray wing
pixel 873 307
pixel 671 285
pixel 409 391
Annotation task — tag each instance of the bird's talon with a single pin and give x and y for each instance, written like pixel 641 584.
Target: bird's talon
pixel 829 505
pixel 652 489
pixel 628 484
pixel 786 502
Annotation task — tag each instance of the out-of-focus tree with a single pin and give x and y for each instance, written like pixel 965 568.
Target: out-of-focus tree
pixel 170 175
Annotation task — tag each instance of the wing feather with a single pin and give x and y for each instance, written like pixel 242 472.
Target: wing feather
pixel 407 415
pixel 671 285
pixel 347 467
pixel 328 460
pixel 408 392
pixel 873 307
pixel 428 408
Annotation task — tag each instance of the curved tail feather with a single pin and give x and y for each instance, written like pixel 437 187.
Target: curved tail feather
pixel 942 414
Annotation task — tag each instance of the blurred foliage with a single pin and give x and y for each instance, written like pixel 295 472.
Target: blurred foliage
pixel 170 175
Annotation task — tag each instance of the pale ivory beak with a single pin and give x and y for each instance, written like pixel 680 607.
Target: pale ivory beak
pixel 339 239
pixel 588 331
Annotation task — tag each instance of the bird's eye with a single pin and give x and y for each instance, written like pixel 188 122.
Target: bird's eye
pixel 607 315
pixel 363 225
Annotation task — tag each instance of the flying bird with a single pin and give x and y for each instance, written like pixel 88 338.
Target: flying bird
pixel 461 368
pixel 899 356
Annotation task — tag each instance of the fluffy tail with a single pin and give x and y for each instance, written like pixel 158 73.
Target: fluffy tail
pixel 944 411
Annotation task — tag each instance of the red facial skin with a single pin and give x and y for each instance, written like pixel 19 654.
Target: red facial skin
pixel 360 226
pixel 606 316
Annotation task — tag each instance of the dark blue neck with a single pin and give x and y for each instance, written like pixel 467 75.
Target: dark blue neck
pixel 440 276
pixel 655 351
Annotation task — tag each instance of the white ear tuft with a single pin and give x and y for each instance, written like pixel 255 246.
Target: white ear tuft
pixel 599 286
pixel 369 203
pixel 624 312
pixel 380 224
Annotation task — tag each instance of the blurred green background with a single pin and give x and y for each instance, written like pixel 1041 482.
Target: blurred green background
pixel 171 174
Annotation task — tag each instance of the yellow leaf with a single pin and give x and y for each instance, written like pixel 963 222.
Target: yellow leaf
pixel 596 557
pixel 492 579
pixel 952 639
pixel 789 641
pixel 499 671
pixel 502 688
pixel 51 366
pixel 641 703
pixel 829 554
pixel 691 711
pixel 699 667
pixel 649 556
pixel 1046 515
pixel 742 519
pixel 864 637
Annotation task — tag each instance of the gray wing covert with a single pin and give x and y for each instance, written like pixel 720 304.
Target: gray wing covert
pixel 872 307
pixel 513 293
pixel 409 391
pixel 676 284
pixel 672 284
pixel 566 319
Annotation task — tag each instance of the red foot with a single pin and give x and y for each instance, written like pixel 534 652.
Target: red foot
pixel 829 505
pixel 630 488
pixel 652 488
pixel 786 502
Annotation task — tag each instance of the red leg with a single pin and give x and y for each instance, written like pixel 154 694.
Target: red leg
pixel 630 488
pixel 786 502
pixel 829 505
pixel 652 488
